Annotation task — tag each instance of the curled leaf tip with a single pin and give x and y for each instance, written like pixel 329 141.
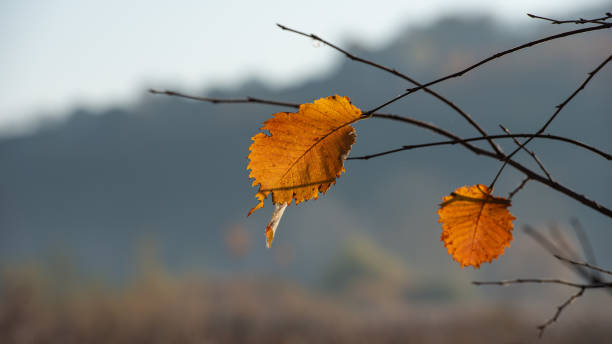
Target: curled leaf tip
pixel 279 210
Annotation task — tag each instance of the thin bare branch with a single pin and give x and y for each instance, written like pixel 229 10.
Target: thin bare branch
pixel 530 152
pixel 560 309
pixel 518 188
pixel 225 101
pixel 247 100
pixel 605 155
pixel 554 250
pixel 545 281
pixel 574 21
pixel 553 116
pixel 476 150
pixel 488 59
pixel 528 172
pixel 566 248
pixel 393 71
pixel 589 253
pixel 541 240
pixel 585 264
pixel 437 130
pixel 579 267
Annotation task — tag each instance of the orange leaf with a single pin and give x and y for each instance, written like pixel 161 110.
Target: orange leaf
pixel 476 226
pixel 303 154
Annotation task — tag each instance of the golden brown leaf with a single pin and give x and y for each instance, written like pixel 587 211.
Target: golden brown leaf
pixel 303 154
pixel 476 226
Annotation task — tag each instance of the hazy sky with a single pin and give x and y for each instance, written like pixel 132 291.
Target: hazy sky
pixel 57 54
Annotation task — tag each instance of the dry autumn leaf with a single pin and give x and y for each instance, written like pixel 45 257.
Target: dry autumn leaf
pixel 303 154
pixel 476 226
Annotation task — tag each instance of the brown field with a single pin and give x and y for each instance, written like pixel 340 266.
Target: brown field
pixel 157 308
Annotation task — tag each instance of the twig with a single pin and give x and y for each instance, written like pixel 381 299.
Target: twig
pixel 549 246
pixel 568 249
pixel 528 172
pixel 574 21
pixel 554 250
pixel 589 253
pixel 545 281
pixel 438 130
pixel 225 101
pixel 541 240
pixel 561 308
pixel 530 152
pixel 480 138
pixel 401 75
pixel 553 116
pixel 559 311
pixel 476 150
pixel 518 188
pixel 488 59
pixel 407 147
pixel 587 249
pixel 585 264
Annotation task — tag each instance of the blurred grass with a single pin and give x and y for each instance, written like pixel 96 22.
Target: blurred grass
pixel 38 305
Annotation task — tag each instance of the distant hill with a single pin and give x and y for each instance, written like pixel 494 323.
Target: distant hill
pixel 172 171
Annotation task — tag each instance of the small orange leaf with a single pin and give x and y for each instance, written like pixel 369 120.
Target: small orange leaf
pixel 476 226
pixel 303 154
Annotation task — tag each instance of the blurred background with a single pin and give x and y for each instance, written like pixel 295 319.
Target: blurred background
pixel 122 213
